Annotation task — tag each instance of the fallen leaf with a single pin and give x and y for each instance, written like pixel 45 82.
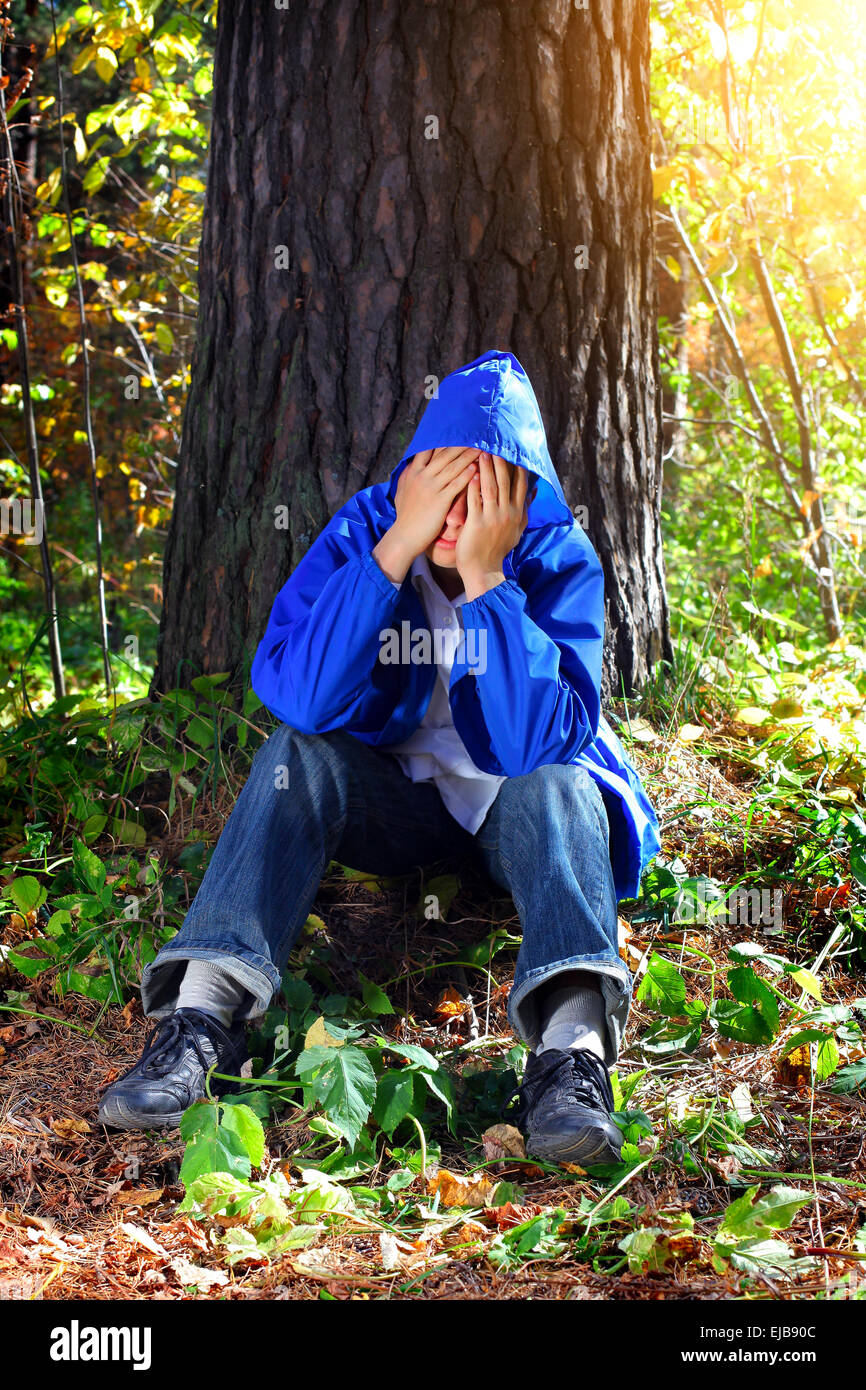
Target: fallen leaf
pixel 141 1197
pixel 503 1141
pixel 795 1068
pixel 511 1214
pixel 751 714
pixel 624 937
pixel 690 733
pixel 389 1251
pixel 188 1273
pixel 456 1191
pixel 70 1127
pixel 140 1237
pixel 450 1004
pixel 831 895
pixel 726 1166
pixel 640 731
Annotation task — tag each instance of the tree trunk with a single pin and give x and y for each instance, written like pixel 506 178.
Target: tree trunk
pixel 442 180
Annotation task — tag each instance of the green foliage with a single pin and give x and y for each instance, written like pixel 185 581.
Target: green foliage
pixel 753 1015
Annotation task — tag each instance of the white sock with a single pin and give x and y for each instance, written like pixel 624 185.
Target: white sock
pixel 573 1014
pixel 207 987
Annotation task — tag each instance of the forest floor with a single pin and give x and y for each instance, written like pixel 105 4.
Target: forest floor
pixel 75 1224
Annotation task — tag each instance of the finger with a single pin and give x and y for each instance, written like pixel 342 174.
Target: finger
pixel 489 485
pixel 473 498
pixel 519 487
pixel 467 458
pixel 503 478
pixel 442 457
pixel 457 484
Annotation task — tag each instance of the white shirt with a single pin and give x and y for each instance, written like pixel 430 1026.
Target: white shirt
pixel 436 752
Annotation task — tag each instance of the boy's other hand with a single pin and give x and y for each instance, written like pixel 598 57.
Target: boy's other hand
pixel 496 519
pixel 426 489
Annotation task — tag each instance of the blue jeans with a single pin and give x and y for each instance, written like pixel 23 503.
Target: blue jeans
pixel 313 798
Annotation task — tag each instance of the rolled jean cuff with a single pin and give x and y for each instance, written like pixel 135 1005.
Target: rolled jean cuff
pixel 616 987
pixel 161 979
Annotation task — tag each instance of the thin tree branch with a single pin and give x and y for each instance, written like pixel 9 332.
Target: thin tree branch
pixel 14 202
pixel 88 420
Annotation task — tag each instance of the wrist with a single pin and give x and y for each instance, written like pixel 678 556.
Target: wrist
pixel 479 581
pixel 393 556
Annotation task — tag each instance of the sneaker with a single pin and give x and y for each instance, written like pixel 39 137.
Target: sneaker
pixel 170 1074
pixel 564 1109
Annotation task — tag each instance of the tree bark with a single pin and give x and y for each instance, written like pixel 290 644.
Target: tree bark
pixel 446 179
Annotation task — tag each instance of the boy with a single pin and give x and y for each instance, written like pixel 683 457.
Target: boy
pixel 435 659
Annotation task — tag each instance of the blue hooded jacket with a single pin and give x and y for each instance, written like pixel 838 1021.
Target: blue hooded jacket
pixel 538 699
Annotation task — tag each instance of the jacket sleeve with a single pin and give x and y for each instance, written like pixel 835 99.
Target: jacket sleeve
pixel 538 668
pixel 313 666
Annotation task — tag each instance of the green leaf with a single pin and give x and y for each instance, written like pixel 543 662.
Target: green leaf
pixel 210 1146
pixel 444 890
pixel 748 1217
pixel 128 831
pixel 99 987
pixel 440 1084
pixel 665 1037
pixel 243 1122
pixel 850 1078
pixel 297 994
pixel 88 870
pixel 376 1000
pixel 344 1084
pixel 27 893
pixel 663 986
pixel 94 826
pixel 201 732
pixel 417 1057
pixel 755 1016
pixel 740 1022
pixel 28 965
pixel 394 1099
pixel 826 1058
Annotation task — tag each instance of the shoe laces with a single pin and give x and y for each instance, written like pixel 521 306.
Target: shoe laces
pixel 578 1068
pixel 170 1035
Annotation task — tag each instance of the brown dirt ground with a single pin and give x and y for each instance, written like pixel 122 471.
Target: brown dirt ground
pixel 91 1214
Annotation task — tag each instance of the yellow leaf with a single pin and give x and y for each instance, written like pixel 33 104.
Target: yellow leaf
pixel 673 267
pixel 69 1127
pixel 751 714
pixel 456 1191
pixel 317 1035
pixel 106 63
pixel 764 567
pixel 715 263
pixel 690 733
pixel 663 177
pixel 787 708
pixel 641 731
pixel 807 981
pixel 79 63
pixel 142 1197
pixel 717 226
pixel 503 1141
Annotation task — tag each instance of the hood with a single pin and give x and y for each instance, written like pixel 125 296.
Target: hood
pixel 489 404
